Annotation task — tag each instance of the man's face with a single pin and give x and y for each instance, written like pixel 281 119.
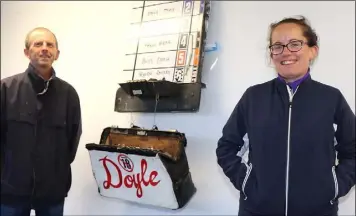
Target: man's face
pixel 43 50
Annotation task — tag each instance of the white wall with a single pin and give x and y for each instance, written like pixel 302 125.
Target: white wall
pixel 91 36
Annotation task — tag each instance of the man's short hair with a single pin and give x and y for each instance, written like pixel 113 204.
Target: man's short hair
pixel 27 40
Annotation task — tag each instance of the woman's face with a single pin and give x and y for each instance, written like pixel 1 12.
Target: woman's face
pixel 291 62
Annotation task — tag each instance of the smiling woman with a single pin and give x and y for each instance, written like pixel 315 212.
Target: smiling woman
pixel 292 164
pixel 293 46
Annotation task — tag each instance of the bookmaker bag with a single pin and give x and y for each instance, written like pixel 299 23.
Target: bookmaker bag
pixel 146 166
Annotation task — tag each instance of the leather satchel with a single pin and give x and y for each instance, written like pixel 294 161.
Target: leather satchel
pixel 146 166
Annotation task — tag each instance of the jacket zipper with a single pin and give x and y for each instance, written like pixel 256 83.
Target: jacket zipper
pixel 249 169
pixel 291 95
pixel 336 185
pixel 33 167
pixel 34 181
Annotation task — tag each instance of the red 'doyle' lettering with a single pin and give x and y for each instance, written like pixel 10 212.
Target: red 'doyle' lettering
pixel 136 180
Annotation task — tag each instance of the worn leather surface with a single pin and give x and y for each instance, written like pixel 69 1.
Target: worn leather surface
pixel 168 146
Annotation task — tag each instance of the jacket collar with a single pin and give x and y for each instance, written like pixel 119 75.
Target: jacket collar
pixel 281 87
pixel 294 85
pixel 39 84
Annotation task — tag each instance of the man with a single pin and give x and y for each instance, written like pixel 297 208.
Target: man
pixel 40 132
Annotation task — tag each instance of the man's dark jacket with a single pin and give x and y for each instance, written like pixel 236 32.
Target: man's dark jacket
pixel 39 137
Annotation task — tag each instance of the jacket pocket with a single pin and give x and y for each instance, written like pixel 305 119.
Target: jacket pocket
pixel 5 169
pixel 248 172
pixel 58 122
pixel 20 130
pixel 58 130
pixel 336 186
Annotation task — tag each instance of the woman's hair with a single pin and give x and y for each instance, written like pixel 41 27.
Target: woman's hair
pixel 308 32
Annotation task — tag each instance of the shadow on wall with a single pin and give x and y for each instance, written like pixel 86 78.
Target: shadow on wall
pixel 201 154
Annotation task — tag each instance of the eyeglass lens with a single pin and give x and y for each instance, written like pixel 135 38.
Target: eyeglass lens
pixel 293 46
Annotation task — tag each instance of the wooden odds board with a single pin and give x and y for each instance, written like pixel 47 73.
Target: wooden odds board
pixel 166 41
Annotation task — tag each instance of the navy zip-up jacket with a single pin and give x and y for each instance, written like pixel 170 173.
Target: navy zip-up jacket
pixel 292 167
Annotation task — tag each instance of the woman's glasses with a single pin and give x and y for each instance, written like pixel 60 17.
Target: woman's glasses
pixel 293 46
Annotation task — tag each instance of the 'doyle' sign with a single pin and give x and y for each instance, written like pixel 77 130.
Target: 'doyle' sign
pixel 133 177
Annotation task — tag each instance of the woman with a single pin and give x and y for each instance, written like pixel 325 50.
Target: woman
pixel 289 121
